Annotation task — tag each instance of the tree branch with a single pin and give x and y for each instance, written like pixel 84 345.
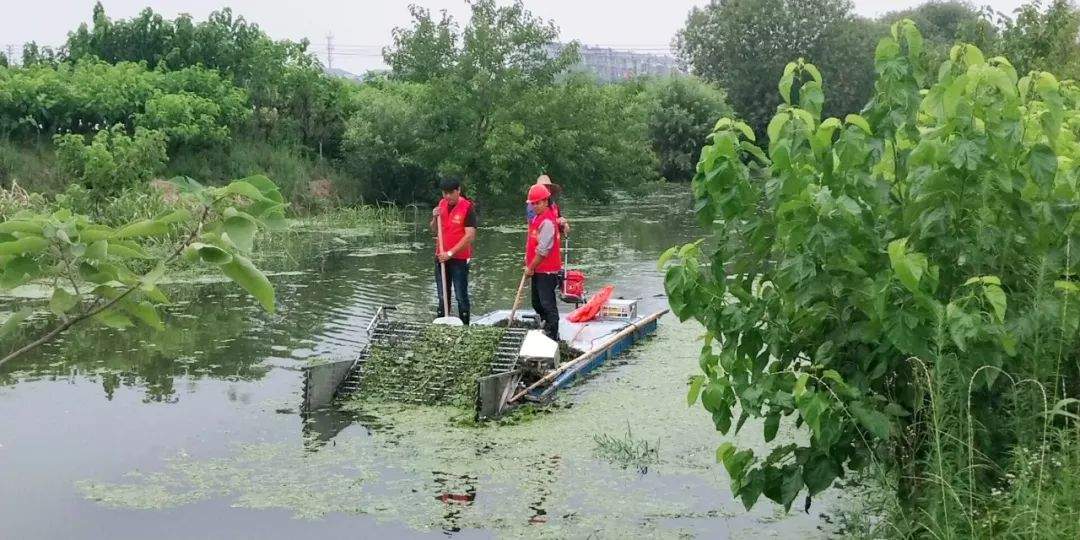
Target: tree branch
pixel 68 323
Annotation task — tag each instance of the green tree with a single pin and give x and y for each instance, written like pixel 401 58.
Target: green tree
pixel 224 42
pixel 681 113
pixel 385 141
pixel 477 76
pixel 944 23
pixel 35 55
pixel 78 97
pixel 881 283
pixel 1043 37
pixel 426 50
pixel 743 45
pixel 185 119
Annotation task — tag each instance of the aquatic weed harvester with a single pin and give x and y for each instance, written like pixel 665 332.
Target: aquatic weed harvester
pixel 486 367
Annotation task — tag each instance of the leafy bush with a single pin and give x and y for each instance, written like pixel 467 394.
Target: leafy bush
pixel 185 119
pixel 124 207
pixel 87 95
pixel 385 145
pixel 112 161
pixel 898 286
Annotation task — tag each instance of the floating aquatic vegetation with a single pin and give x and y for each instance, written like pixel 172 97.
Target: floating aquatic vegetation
pixel 627 452
pixel 439 367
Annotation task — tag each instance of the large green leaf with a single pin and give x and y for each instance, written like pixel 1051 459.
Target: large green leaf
pixel 266 187
pixel 11 324
pixel 21 226
pixel 696 383
pixel 143 228
pixel 145 312
pixel 25 245
pixel 128 250
pixel 737 463
pixel 113 319
pixel 996 296
pixel 244 273
pixel 909 267
pixel 819 473
pixel 874 421
pixel 210 254
pixel 246 190
pixel 1043 164
pixel 18 271
pixel 772 424
pixel 62 301
pixel 98 250
pixel 241 231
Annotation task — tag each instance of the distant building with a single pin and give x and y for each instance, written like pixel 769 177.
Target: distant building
pixel 612 65
pixel 607 65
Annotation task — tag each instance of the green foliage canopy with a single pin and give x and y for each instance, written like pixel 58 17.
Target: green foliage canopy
pixel 744 45
pixel 195 104
pixel 483 102
pixel 874 276
pixel 681 113
pixel 1044 38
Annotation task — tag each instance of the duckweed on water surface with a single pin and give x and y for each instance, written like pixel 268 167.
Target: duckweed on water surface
pixel 539 478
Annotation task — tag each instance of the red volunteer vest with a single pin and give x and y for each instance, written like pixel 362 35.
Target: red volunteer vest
pixel 453 226
pixel 552 262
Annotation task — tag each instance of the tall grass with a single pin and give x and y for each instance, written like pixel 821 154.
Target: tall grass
pixel 293 172
pixel 1001 464
pixel 31 165
pixel 378 216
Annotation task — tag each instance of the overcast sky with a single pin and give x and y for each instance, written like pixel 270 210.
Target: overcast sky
pixel 361 27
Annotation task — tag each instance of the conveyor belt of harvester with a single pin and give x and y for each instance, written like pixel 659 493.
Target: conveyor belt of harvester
pixel 400 336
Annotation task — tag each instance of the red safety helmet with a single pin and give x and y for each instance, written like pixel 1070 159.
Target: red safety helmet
pixel 538 192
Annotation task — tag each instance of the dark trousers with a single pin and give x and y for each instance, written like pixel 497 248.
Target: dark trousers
pixel 457 278
pixel 543 302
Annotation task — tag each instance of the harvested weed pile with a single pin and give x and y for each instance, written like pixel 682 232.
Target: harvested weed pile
pixel 439 367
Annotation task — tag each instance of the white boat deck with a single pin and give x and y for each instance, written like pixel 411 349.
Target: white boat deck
pixel 582 337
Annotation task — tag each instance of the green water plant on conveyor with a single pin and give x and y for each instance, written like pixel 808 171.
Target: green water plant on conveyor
pixel 439 367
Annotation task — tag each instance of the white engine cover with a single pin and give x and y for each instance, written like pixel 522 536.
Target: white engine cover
pixel 537 346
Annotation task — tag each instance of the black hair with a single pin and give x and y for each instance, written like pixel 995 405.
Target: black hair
pixel 449 183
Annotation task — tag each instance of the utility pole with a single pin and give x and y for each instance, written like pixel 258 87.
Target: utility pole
pixel 330 51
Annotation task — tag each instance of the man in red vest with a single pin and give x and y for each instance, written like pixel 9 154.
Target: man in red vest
pixel 542 260
pixel 458 218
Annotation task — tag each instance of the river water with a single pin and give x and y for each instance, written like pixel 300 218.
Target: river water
pixel 196 431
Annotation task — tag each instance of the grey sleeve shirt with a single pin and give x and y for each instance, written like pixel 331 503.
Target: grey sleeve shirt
pixel 546 239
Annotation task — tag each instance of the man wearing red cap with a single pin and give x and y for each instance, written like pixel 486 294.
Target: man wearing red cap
pixel 542 260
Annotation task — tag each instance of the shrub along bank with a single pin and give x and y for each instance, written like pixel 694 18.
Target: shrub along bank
pixel 901 287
